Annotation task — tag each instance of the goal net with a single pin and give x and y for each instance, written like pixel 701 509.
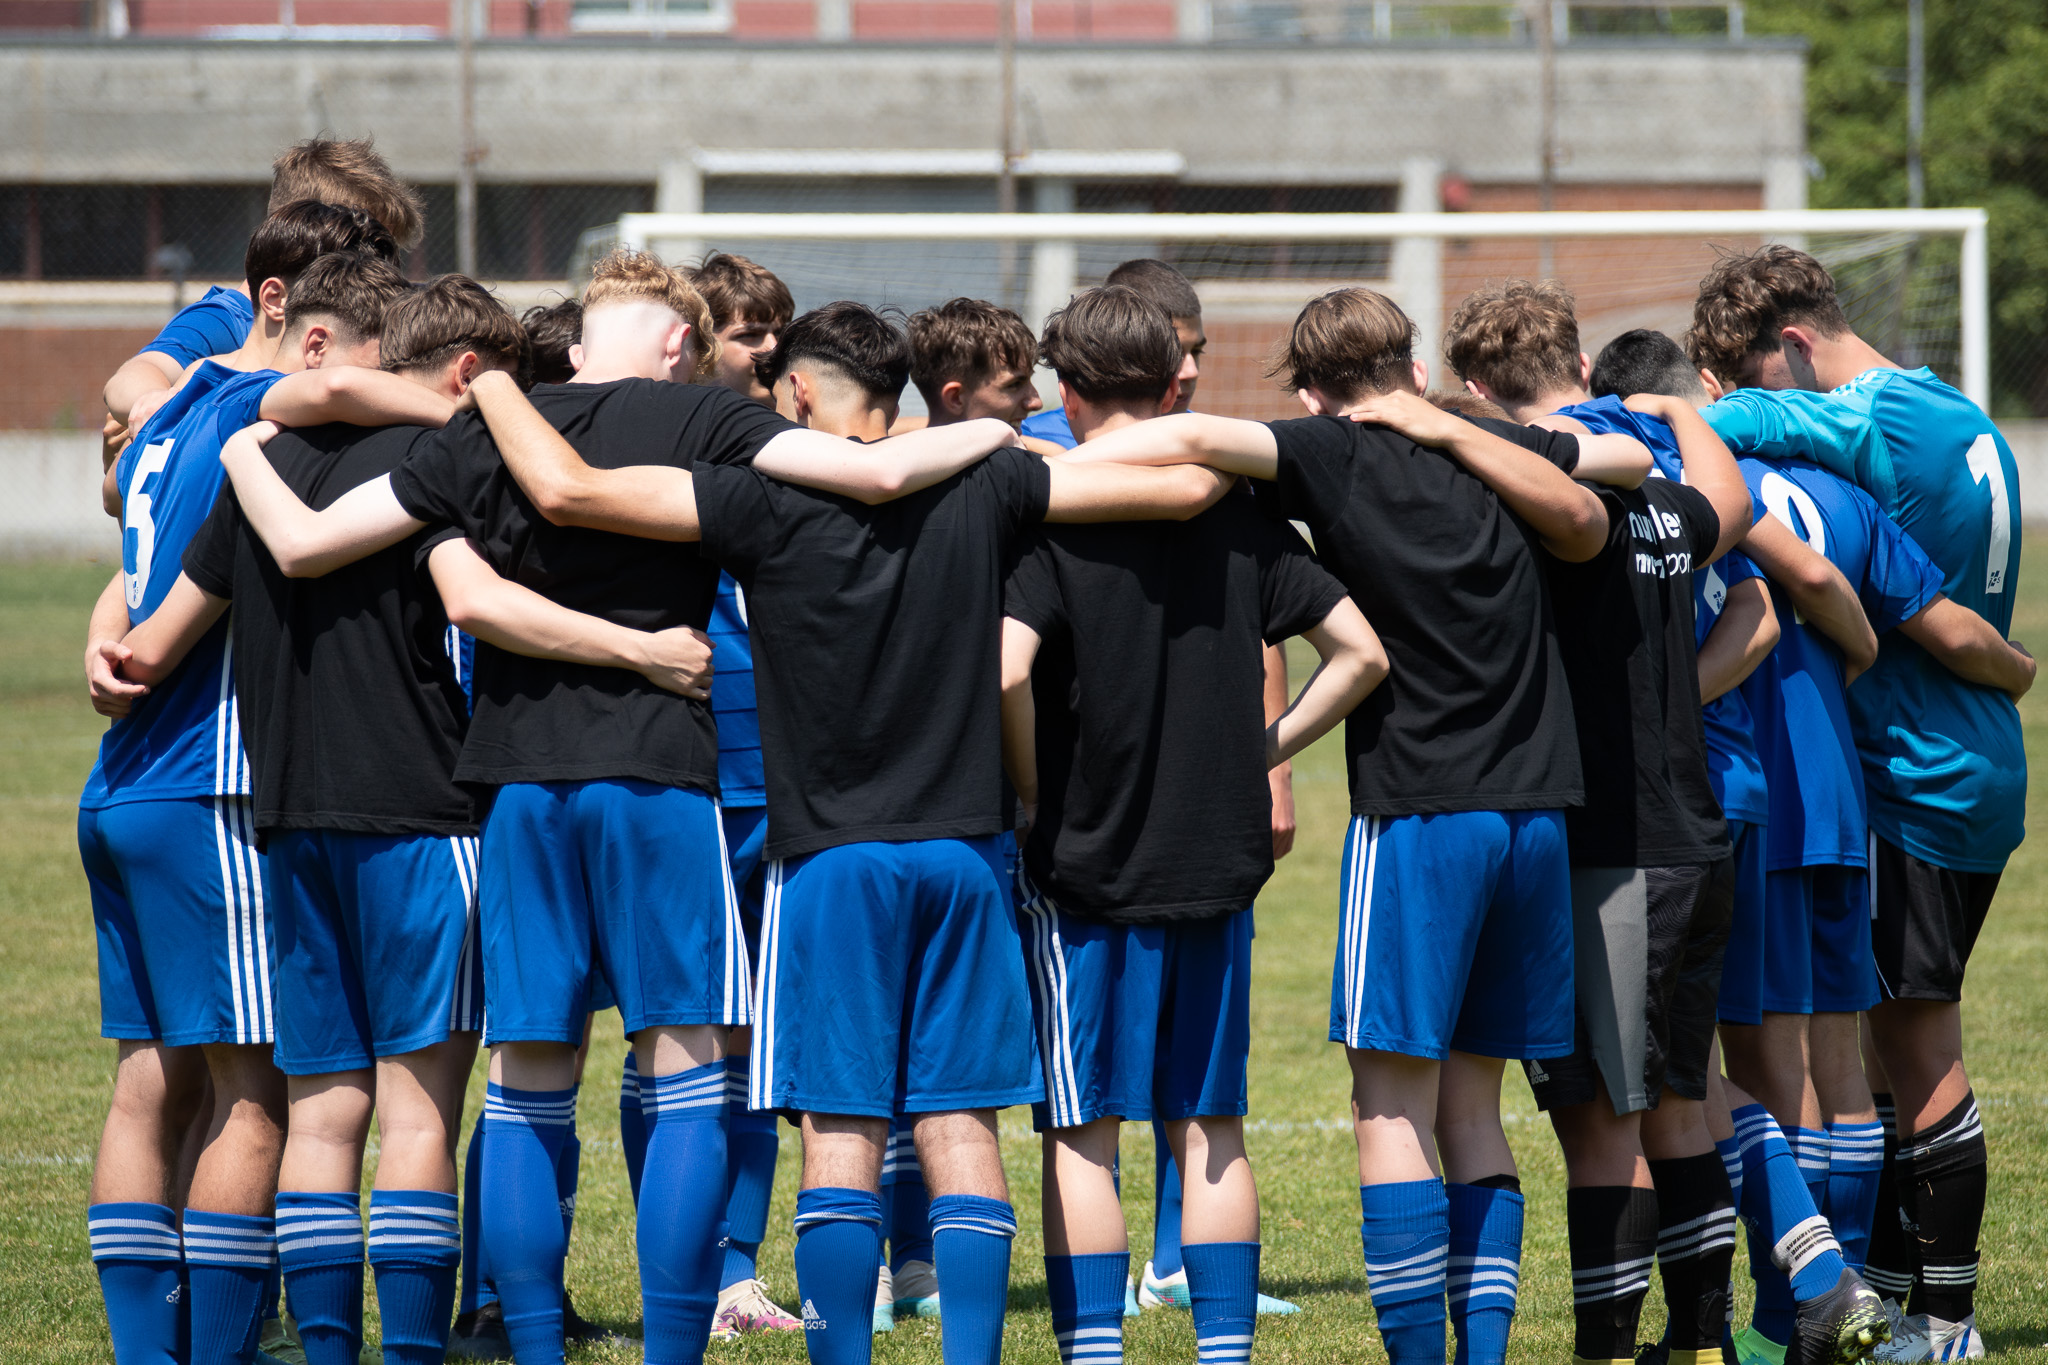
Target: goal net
pixel 1912 282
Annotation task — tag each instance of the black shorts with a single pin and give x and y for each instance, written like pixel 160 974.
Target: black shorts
pixel 1924 920
pixel 1647 950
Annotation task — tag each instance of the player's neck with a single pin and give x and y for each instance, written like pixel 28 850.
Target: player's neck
pixel 1091 420
pixel 855 423
pixel 261 350
pixel 1545 403
pixel 1839 359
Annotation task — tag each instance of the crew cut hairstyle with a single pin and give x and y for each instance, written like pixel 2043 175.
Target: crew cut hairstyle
pixel 434 322
pixel 1111 345
pixel 738 290
pixel 852 338
pixel 298 234
pixel 1644 361
pixel 1519 338
pixel 348 172
pixel 625 275
pixel 968 340
pixel 1159 282
pixel 353 288
pixel 551 329
pixel 1348 343
pixel 1747 299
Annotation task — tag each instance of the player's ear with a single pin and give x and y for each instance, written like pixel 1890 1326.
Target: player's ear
pixel 269 300
pixel 1070 402
pixel 953 397
pixel 1585 368
pixel 576 357
pixel 1312 399
pixel 1418 370
pixel 466 366
pixel 316 348
pixel 1716 391
pixel 1167 399
pixel 675 348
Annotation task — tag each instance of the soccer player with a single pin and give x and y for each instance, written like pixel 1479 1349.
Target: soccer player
pixel 165 823
pixel 971 358
pixel 1942 759
pixel 553 331
pixel 1170 289
pixel 1132 674
pixel 749 305
pixel 1454 876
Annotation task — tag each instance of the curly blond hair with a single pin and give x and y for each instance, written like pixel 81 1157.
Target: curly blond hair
pixel 626 275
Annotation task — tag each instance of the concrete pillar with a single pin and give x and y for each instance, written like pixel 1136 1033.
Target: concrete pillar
pixel 1417 273
pixel 1194 20
pixel 678 189
pixel 1055 270
pixel 835 21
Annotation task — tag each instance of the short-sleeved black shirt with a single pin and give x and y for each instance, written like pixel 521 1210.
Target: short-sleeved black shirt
pixel 1625 629
pixel 540 720
pixel 877 635
pixel 1149 691
pixel 1474 714
pixel 350 706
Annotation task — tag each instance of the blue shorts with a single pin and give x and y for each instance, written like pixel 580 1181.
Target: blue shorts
pixel 186 952
pixel 1742 968
pixel 613 879
pixel 1455 933
pixel 1817 952
pixel 892 982
pixel 1137 1021
pixel 377 951
pixel 746 836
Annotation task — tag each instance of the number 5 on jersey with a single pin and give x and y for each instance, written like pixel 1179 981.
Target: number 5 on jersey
pixel 138 521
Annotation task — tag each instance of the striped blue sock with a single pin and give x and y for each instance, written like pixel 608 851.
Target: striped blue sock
pixel 1812 1149
pixel 568 1169
pixel 1087 1294
pixel 476 1276
pixel 1407 1237
pixel 1730 1149
pixel 838 1258
pixel 227 1262
pixel 1855 1163
pixel 320 1251
pixel 1791 1247
pixel 141 1266
pixel 751 1144
pixel 1223 1292
pixel 683 1185
pixel 1485 1269
pixel 523 1237
pixel 971 1239
pixel 632 1123
pixel 415 1244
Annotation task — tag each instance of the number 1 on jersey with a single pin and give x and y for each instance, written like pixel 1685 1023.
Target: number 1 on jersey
pixel 1985 467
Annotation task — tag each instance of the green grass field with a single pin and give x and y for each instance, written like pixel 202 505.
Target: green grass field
pixel 55 1070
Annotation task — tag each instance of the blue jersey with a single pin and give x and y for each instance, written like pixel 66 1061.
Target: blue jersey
pixel 1818 814
pixel 1051 425
pixel 1944 759
pixel 218 323
pixel 740 780
pixel 184 738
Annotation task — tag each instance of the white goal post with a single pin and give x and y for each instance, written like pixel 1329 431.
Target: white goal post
pixel 1041 254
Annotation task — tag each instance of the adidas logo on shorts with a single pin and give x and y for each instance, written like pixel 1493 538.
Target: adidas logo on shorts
pixel 1537 1075
pixel 812 1322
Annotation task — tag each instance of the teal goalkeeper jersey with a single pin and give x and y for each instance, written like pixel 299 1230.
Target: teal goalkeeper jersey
pixel 1943 759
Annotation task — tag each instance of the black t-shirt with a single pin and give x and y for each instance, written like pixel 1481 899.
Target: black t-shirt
pixel 1474 714
pixel 540 720
pixel 877 635
pixel 1149 691
pixel 351 709
pixel 1625 628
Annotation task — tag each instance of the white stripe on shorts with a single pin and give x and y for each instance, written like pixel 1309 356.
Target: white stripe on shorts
pixel 1355 937
pixel 1049 985
pixel 245 922
pixel 737 988
pixel 465 1004
pixel 761 1065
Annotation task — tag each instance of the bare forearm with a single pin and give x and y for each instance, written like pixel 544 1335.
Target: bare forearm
pixel 109 620
pixel 1568 516
pixel 1740 640
pixel 1966 645
pixel 144 374
pixel 1354 663
pixel 305 543
pixel 887 469
pixel 517 619
pixel 1020 741
pixel 160 644
pixel 360 397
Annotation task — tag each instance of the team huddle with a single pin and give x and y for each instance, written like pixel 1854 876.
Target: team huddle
pixel 472 675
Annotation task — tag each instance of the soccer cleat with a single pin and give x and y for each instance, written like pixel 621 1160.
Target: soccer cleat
pixel 1278 1308
pixel 1841 1327
pixel 744 1308
pixel 1953 1340
pixel 576 1327
pixel 1171 1292
pixel 1908 1345
pixel 916 1290
pixel 1131 1309
pixel 1653 1353
pixel 480 1335
pixel 885 1301
pixel 1754 1348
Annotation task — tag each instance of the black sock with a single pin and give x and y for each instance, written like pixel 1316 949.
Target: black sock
pixel 1613 1231
pixel 1948 1183
pixel 1695 1247
pixel 1893 1257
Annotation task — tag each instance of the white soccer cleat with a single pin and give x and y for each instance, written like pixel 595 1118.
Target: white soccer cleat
pixel 1953 1340
pixel 1908 1345
pixel 916 1289
pixel 1170 1292
pixel 885 1302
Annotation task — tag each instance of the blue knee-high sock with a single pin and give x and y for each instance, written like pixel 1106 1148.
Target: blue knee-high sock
pixel 320 1252
pixel 1730 1149
pixel 1812 1149
pixel 568 1169
pixel 838 1258
pixel 1793 1254
pixel 971 1239
pixel 1407 1237
pixel 1087 1294
pixel 1166 1257
pixel 632 1123
pixel 683 1185
pixel 1485 1269
pixel 910 1222
pixel 414 1248
pixel 141 1266
pixel 227 1262
pixel 273 1290
pixel 1223 1292
pixel 476 1277
pixel 751 1144
pixel 522 1225
pixel 1855 1163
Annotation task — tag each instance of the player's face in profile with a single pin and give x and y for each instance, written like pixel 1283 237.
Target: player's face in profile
pixel 740 343
pixel 1193 341
pixel 1007 394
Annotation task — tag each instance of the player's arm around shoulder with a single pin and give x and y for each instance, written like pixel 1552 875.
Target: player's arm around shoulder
pixel 1968 646
pixel 1354 662
pixel 157 646
pixel 1746 633
pixel 1230 444
pixel 1612 458
pixel 112 695
pixel 889 469
pixel 306 543
pixel 356 395
pixel 1817 590
pixel 1125 492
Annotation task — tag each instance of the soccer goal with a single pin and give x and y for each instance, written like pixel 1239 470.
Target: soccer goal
pixel 1912 281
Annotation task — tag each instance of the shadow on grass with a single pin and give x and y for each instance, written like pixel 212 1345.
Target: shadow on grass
pixel 2023 1336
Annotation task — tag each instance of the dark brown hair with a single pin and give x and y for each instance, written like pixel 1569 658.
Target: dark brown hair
pixel 852 338
pixel 1746 300
pixel 1112 345
pixel 1346 343
pixel 735 289
pixel 348 172
pixel 1159 282
pixel 300 233
pixel 434 322
pixel 1519 338
pixel 1644 361
pixel 551 329
pixel 967 340
pixel 353 289
pixel 1466 403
